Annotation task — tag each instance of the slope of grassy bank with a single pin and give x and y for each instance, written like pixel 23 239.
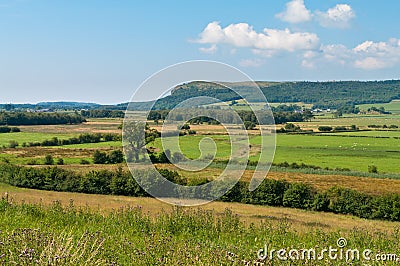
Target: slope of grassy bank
pixel 129 236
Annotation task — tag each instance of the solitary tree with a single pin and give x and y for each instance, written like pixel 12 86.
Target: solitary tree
pixel 134 135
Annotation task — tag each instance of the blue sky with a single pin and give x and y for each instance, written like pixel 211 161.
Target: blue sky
pixel 101 51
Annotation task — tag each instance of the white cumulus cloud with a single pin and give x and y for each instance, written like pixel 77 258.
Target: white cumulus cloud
pixel 209 50
pixel 295 12
pixel 338 16
pixel 243 35
pixel 368 55
pixel 251 62
pixel 370 63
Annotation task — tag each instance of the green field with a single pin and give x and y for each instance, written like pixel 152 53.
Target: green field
pixel 393 106
pixel 355 153
pixel 27 137
pixel 353 150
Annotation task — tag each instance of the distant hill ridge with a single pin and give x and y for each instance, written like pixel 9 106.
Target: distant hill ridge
pixel 327 94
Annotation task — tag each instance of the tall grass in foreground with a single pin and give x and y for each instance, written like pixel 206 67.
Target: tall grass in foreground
pixel 57 235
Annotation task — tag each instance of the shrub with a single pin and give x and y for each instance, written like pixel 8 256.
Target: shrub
pixel 347 201
pixel 270 192
pixel 5 129
pixel 321 202
pixel 100 157
pixel 185 127
pixel 298 195
pixel 192 132
pixel 83 161
pixel 60 161
pixel 289 127
pixel 172 176
pixel 249 125
pixel 13 144
pixel 339 128
pixel 325 128
pixel 115 156
pixel 48 160
pixel 372 169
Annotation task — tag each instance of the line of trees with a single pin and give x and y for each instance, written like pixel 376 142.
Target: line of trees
pixel 229 117
pixel 6 129
pixel 101 113
pixel 113 157
pixel 27 118
pixel 81 139
pixel 270 192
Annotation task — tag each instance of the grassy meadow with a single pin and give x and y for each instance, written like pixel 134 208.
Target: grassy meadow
pixel 61 228
pixel 393 106
pixel 54 228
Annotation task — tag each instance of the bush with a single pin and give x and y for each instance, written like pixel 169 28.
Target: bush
pixel 249 125
pixel 339 128
pixel 48 160
pixel 60 161
pixel 298 195
pixel 5 130
pixel 372 169
pixel 289 127
pixel 184 127
pixel 172 176
pixel 100 157
pixel 321 202
pixel 115 156
pixel 13 144
pixel 347 201
pixel 270 192
pixel 325 128
pixel 83 161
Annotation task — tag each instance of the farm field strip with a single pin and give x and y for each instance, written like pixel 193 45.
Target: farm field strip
pixel 300 219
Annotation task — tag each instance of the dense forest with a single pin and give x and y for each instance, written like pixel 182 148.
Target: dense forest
pixel 26 118
pixel 102 113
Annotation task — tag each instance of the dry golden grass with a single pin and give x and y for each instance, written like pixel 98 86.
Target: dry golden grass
pixel 301 220
pixel 92 126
